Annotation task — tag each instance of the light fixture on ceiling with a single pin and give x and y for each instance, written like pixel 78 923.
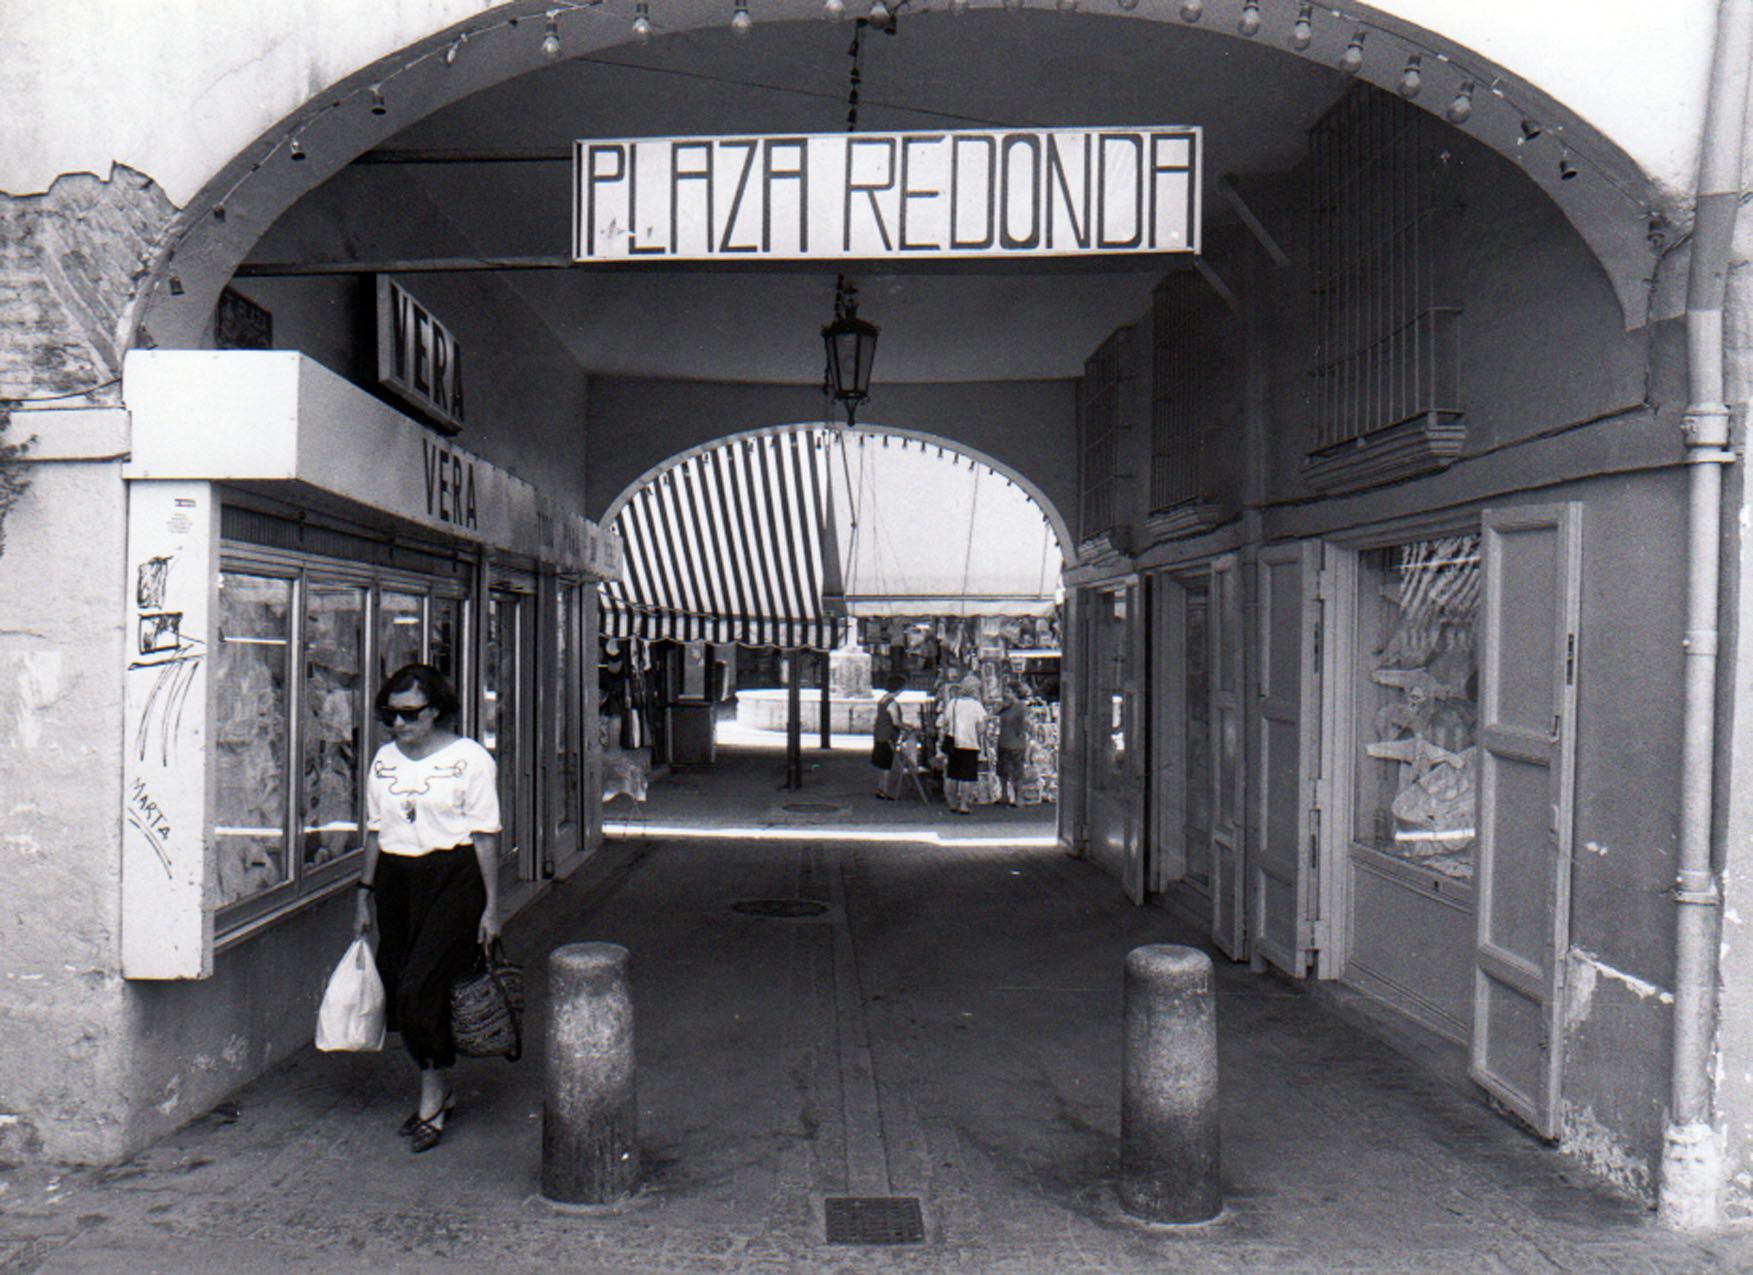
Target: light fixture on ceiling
pixel 1461 109
pixel 1192 10
pixel 1566 170
pixel 1412 78
pixel 740 21
pixel 642 22
pixel 551 36
pixel 377 103
pixel 833 10
pixel 1530 130
pixel 452 49
pixel 1249 23
pixel 851 344
pixel 1303 33
pixel 1351 61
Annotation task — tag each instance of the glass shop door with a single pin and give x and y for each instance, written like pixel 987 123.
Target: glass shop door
pixel 508 717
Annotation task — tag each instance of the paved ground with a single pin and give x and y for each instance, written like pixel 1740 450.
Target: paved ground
pixel 946 1028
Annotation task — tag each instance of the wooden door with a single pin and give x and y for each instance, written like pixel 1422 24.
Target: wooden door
pixel 1288 730
pixel 1527 747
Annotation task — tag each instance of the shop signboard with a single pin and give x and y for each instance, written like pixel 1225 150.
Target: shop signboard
pixel 879 196
pixel 418 360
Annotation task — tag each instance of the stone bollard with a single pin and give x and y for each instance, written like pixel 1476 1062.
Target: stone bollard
pixel 590 1119
pixel 1168 1097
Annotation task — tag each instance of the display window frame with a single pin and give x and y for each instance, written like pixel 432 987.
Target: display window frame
pixel 304 884
pixel 1343 855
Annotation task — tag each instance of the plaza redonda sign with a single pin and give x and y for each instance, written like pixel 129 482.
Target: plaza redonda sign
pixel 875 196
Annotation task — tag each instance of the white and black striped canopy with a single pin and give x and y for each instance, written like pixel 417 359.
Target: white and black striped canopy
pixel 732 544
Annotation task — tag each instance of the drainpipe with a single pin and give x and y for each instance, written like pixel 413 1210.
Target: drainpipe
pixel 1691 1155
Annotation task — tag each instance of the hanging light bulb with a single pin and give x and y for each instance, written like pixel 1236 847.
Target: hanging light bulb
pixel 551 37
pixel 879 15
pixel 1303 33
pixel 377 103
pixel 1249 23
pixel 1412 78
pixel 833 10
pixel 1461 109
pixel 1566 169
pixel 295 150
pixel 1530 130
pixel 740 21
pixel 642 22
pixel 1351 61
pixel 452 49
pixel 1192 10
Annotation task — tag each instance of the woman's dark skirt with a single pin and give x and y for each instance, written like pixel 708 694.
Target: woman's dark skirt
pixel 428 914
pixel 963 765
pixel 882 754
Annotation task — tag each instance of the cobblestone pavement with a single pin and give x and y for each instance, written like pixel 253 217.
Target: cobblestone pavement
pixel 946 1028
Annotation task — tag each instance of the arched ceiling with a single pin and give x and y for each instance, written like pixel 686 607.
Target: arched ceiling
pixel 499 163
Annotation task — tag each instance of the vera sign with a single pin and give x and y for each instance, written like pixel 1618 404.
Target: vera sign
pixel 969 193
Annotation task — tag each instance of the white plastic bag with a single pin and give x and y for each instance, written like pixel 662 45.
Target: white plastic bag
pixel 351 1017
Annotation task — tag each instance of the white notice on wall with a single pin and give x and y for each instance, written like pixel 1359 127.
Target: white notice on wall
pixel 967 193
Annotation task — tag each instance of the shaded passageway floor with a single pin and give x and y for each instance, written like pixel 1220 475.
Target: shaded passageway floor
pixel 946 1027
pixel 741 795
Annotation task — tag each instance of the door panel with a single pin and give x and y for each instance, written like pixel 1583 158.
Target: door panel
pixel 1527 754
pixel 1229 776
pixel 1289 723
pixel 1166 702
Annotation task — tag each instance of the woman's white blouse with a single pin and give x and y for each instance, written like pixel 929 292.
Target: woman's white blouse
pixel 437 802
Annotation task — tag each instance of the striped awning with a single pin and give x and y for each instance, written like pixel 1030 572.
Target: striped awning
pixel 732 544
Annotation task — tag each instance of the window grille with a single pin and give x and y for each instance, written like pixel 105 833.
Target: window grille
pixel 1386 350
pixel 1099 439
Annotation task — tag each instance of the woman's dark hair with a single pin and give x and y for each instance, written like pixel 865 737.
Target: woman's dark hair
pixel 896 682
pixel 429 682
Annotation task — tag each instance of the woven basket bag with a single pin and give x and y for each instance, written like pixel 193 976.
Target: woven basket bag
pixel 486 1007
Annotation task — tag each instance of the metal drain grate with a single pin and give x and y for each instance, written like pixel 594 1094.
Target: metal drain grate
pixel 779 907
pixel 882 1219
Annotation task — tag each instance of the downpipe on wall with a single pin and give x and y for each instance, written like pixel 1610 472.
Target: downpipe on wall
pixel 1692 1150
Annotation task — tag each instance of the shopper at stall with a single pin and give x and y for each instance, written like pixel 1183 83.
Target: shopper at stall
pixel 431 865
pixel 884 732
pixel 1012 744
pixel 961 729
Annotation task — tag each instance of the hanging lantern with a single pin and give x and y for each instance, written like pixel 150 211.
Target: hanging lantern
pixel 851 344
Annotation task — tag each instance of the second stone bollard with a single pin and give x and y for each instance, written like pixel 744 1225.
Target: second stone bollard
pixel 1168 1097
pixel 590 1118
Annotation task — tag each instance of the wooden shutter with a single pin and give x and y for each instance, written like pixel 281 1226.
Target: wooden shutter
pixel 1288 713
pixel 1229 775
pixel 1527 748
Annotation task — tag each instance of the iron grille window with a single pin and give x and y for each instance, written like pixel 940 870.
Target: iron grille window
pixel 1385 311
pixel 1099 439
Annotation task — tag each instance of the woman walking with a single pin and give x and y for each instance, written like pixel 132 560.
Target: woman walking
pixel 431 864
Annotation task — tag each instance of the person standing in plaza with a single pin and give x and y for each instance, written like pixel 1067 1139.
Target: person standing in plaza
pixel 432 866
pixel 884 732
pixel 1013 744
pixel 961 728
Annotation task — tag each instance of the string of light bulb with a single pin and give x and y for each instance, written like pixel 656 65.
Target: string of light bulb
pixel 1252 22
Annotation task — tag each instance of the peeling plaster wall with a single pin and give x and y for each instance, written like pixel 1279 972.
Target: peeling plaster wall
pixel 65 1050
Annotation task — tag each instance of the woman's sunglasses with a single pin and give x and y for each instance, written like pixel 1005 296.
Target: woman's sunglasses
pixel 390 716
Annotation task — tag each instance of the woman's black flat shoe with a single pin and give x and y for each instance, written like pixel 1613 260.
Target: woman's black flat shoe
pixel 425 1135
pixel 407 1127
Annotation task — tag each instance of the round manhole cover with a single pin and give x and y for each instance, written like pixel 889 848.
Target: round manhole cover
pixel 779 907
pixel 813 808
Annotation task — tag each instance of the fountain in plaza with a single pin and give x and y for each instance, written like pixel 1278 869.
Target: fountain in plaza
pixel 851 700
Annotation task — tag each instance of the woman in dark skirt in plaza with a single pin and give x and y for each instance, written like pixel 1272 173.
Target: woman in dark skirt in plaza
pixel 431 864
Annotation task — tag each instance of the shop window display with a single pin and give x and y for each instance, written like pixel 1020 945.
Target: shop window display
pixel 251 731
pixel 334 677
pixel 1418 703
